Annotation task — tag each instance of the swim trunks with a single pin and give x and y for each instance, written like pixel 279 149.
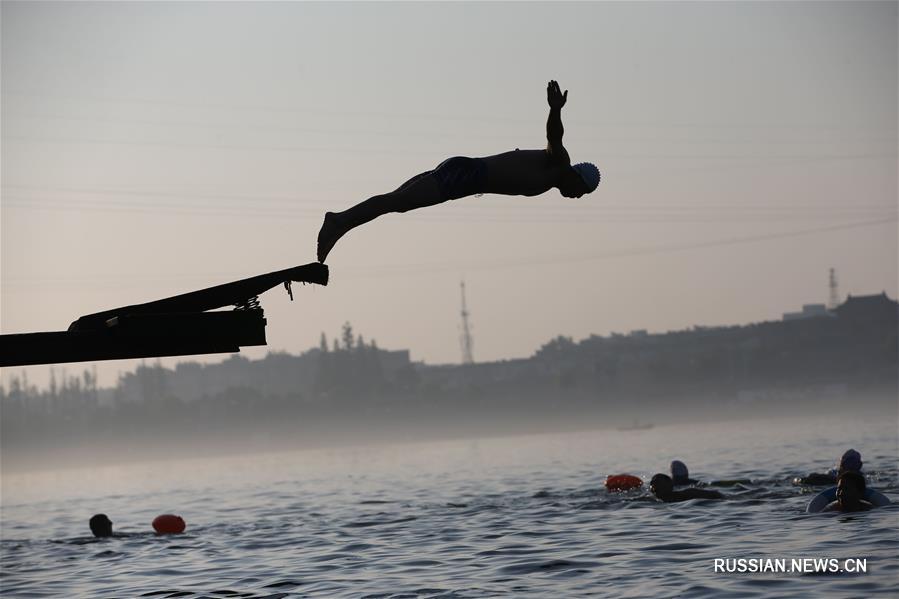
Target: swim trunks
pixel 460 176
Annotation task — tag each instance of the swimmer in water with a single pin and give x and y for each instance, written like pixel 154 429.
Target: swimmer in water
pixel 662 487
pixel 851 461
pixel 101 526
pixel 680 475
pixel 829 499
pixel 850 494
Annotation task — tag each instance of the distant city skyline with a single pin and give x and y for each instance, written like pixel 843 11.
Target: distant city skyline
pixel 41 376
pixel 818 361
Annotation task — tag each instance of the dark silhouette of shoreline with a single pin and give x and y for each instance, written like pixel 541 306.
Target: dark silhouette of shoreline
pixel 350 390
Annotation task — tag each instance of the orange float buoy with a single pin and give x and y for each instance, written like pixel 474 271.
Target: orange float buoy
pixel 168 524
pixel 623 482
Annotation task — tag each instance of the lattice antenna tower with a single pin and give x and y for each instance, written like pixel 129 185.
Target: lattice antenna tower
pixel 466 340
pixel 834 300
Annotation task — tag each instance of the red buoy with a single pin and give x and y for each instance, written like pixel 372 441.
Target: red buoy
pixel 169 524
pixel 623 482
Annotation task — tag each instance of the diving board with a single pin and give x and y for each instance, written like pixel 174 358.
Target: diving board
pixel 174 326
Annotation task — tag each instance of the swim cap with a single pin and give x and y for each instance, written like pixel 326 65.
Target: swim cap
pixel 589 173
pixel 661 482
pixel 851 461
pixel 100 525
pixel 679 470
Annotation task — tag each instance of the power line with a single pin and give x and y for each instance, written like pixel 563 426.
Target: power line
pixel 381 271
pixel 541 215
pixel 214 204
pixel 282 128
pixel 482 265
pixel 527 204
pixel 318 110
pixel 765 158
pixel 268 108
pixel 224 147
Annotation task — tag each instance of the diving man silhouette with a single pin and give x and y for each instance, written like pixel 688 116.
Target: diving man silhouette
pixel 518 172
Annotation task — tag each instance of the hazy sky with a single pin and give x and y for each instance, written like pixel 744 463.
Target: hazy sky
pixel 150 149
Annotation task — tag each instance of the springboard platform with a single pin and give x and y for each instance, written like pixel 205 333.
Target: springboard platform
pixel 174 326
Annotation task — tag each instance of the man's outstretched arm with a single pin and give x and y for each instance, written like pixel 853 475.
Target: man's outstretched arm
pixel 554 128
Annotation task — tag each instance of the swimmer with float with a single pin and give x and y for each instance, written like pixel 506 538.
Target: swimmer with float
pixel 850 494
pixel 101 526
pixel 850 463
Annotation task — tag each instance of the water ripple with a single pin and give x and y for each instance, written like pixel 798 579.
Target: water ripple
pixel 535 525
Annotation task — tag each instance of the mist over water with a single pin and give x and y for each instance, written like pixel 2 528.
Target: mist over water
pixel 521 515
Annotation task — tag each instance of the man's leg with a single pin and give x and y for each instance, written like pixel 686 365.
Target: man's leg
pixel 418 192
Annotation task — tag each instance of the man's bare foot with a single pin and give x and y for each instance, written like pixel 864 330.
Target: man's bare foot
pixel 332 230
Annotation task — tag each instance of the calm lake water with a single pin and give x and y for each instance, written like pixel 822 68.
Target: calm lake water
pixel 516 516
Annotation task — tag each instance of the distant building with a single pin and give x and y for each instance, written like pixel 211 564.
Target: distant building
pixel 394 361
pixel 865 307
pixel 808 311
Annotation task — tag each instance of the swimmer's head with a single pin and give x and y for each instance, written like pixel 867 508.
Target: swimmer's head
pixel 101 526
pixel 661 485
pixel 850 491
pixel 679 470
pixel 589 174
pixel 851 461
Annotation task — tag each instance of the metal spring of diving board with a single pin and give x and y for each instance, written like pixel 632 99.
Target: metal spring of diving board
pixel 249 304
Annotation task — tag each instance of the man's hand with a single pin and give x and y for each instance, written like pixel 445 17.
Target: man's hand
pixel 554 128
pixel 554 95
